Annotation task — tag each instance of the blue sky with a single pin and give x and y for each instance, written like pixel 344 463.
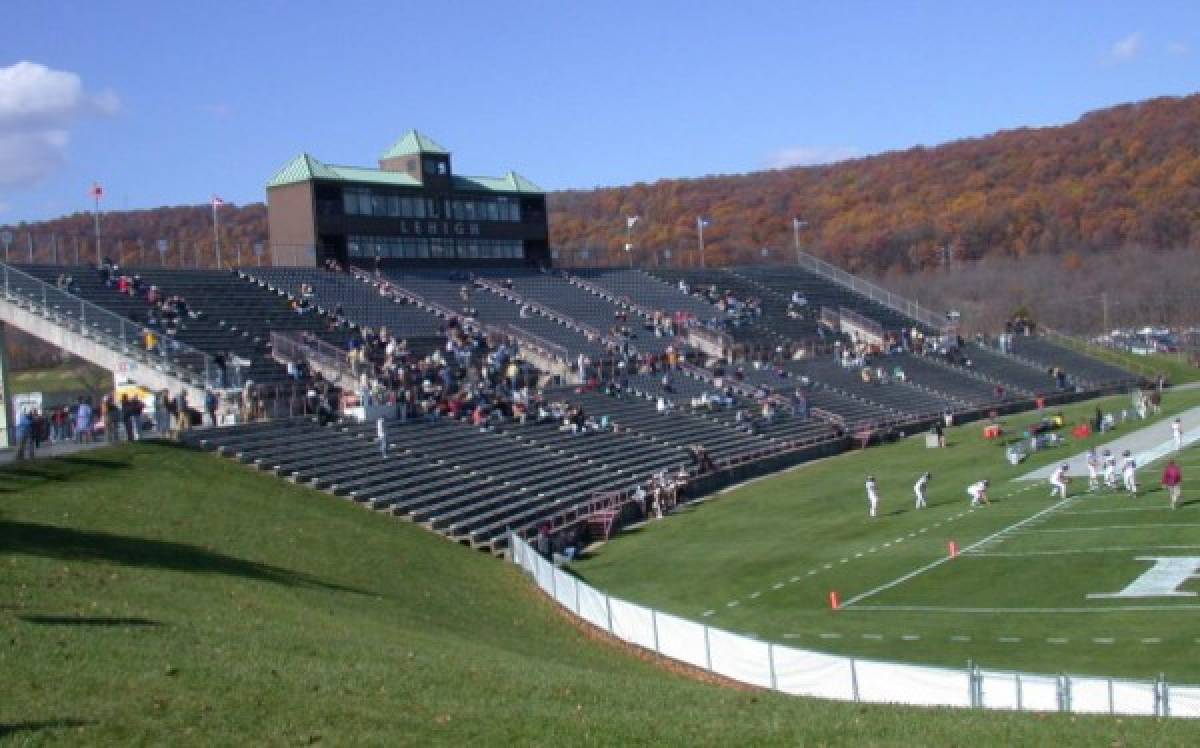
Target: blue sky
pixel 168 103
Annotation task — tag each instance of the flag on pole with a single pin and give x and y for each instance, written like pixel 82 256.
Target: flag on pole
pixel 217 202
pixel 96 192
pixel 702 222
pixel 631 221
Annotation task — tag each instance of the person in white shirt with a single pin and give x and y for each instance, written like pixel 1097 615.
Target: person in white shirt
pixel 1093 466
pixel 1110 470
pixel 1059 480
pixel 872 495
pixel 921 489
pixel 1177 433
pixel 978 493
pixel 1129 473
pixel 381 436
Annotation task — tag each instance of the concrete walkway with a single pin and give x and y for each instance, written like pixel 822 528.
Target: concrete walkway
pixel 1147 444
pixel 56 450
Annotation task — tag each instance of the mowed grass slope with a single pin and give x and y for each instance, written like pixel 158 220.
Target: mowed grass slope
pixel 763 558
pixel 152 595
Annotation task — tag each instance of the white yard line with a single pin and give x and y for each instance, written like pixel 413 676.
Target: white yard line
pixel 994 611
pixel 1022 554
pixel 1122 509
pixel 944 559
pixel 1108 527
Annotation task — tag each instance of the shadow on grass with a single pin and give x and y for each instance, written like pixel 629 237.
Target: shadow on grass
pixel 8 729
pixel 68 468
pixel 80 545
pixel 87 621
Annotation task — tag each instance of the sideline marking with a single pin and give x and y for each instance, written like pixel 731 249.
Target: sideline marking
pixel 993 611
pixel 944 559
pixel 1108 527
pixel 1021 554
pixel 1122 509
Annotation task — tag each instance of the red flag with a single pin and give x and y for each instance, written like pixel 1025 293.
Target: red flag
pixel 97 191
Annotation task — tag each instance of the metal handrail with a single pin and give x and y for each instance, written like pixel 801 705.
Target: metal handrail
pixel 295 347
pixel 627 301
pixel 92 321
pixel 872 291
pixel 872 327
pixel 545 310
pixel 525 337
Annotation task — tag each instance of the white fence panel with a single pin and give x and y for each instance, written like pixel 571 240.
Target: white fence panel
pixel 827 676
pixel 1039 693
pixel 912 684
pixel 633 623
pixel 737 657
pixel 682 640
pixel 1132 697
pixel 1184 701
pixel 1090 695
pixel 564 590
pixel 529 559
pixel 813 674
pixel 545 575
pixel 1000 690
pixel 592 607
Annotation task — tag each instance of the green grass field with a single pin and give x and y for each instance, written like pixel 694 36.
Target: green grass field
pixel 763 558
pixel 152 595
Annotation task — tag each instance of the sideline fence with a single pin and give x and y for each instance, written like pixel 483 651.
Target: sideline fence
pixel 816 674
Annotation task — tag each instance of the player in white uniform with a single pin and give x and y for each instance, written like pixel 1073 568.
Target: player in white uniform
pixel 1110 470
pixel 921 489
pixel 1093 466
pixel 1177 433
pixel 873 495
pixel 1129 473
pixel 1059 480
pixel 978 493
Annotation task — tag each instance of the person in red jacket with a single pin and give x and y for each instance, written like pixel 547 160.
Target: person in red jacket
pixel 1173 479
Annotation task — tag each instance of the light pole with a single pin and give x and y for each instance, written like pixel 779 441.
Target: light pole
pixel 630 222
pixel 701 222
pixel 97 193
pixel 216 203
pixel 797 224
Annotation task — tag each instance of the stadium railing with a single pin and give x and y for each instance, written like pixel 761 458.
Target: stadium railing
pixel 827 676
pixel 873 292
pixel 112 330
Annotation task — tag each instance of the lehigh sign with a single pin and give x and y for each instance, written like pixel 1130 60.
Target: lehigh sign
pixel 433 228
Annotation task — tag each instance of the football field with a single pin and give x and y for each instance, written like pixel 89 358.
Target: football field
pixel 1099 583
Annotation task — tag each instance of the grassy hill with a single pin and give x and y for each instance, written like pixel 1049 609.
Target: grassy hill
pixel 153 595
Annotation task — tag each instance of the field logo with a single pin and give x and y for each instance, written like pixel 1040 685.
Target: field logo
pixel 1162 580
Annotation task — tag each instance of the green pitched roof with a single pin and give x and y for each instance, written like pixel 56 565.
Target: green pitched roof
pixel 413 142
pixel 305 168
pixel 510 182
pixel 302 168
